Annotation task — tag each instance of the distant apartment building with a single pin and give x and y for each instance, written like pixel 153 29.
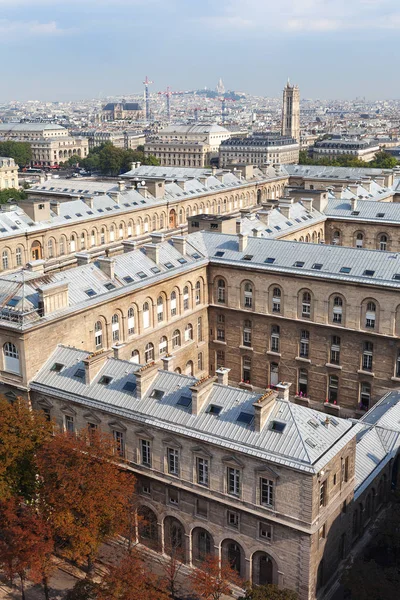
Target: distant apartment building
pixel 259 149
pixel 116 111
pixel 8 173
pixel 120 139
pixel 362 150
pixel 179 153
pixel 51 144
pixel 210 134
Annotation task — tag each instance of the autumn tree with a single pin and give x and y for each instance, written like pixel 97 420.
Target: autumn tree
pixel 84 493
pixel 22 432
pixel 131 579
pixel 84 589
pixel 26 544
pixel 213 580
pixel 268 592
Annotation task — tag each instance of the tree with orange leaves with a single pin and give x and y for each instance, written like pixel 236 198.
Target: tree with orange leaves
pixel 26 544
pixel 212 580
pixel 131 579
pixel 83 492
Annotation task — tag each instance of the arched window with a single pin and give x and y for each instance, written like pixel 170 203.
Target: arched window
pixel 131 321
pixel 98 335
pixel 383 242
pixel 93 238
pixel 146 315
pixel 50 249
pixel 11 358
pixel 189 368
pixel 359 240
pixel 221 296
pixel 247 333
pixel 198 293
pixel 188 332
pixel 135 358
pixel 275 334
pixel 276 300
pixel 160 309
pixel 146 225
pixel 149 353
pixel 173 304
pixel 370 315
pixel 72 243
pixel 154 222
pixel 186 298
pixel 248 295
pixel 200 361
pixel 121 230
pixel 112 233
pixel 4 258
pixel 83 243
pixel 306 305
pixel 162 221
pixel 102 236
pixel 337 309
pixel 176 338
pixel 163 346
pixel 115 328
pixel 61 246
pixel 18 257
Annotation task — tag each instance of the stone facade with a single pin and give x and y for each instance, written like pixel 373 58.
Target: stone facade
pixel 8 173
pixel 178 153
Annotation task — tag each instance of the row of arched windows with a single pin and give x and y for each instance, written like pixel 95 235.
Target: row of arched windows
pixel 380 242
pixel 165 346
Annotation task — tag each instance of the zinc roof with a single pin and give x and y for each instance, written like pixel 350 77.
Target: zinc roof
pixel 366 210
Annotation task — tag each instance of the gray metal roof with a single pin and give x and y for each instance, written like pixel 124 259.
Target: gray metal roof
pixel 286 254
pixel 279 224
pixel 365 209
pixel 30 127
pixel 304 442
pixel 333 172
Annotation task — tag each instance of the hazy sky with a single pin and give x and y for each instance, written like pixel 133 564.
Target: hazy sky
pixel 72 49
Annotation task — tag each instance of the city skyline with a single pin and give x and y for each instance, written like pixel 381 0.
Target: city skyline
pixel 97 50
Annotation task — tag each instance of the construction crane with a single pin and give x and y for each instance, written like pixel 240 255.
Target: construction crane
pixel 146 83
pixel 167 95
pixel 223 107
pixel 196 112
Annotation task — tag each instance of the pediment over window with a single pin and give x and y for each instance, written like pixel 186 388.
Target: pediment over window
pixel 201 450
pixel 171 441
pixel 91 417
pixel 144 433
pixel 117 425
pixel 267 471
pixel 68 410
pixel 44 403
pixel 231 459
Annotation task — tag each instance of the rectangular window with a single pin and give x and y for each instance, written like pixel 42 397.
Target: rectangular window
pixel 322 494
pixel 69 424
pixel 304 344
pixel 345 470
pixel 335 350
pixel 119 443
pixel 232 519
pixel 173 496
pixel 221 335
pixel 146 452
pixel 247 336
pixel 201 508
pixel 173 461
pixel 233 481
pixel 199 329
pixel 202 471
pixel 266 492
pixel 265 531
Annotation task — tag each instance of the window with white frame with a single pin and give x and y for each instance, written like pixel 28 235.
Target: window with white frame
pixel 69 424
pixel 383 242
pixel 186 298
pixel 131 321
pixel 303 382
pixel 367 356
pixel 163 346
pixel 72 244
pixel 50 248
pixel 135 357
pixel 149 353
pixel 98 335
pixel 266 491
pixel 173 461
pixel 5 260
pixel 221 289
pixel 112 233
pixel 119 442
pixel 199 329
pixel 337 309
pixel 176 338
pixel 359 240
pixel 145 450
pixel 202 471
pixel 198 293
pixel 247 333
pixel 93 238
pixel 304 343
pixel 61 247
pixel 200 361
pixel 18 257
pixel 173 304
pixel 103 236
pixel 275 335
pixel 233 481
pixel 335 350
pixel 11 358
pixel 188 332
pixel 365 395
pixel 115 327
pixel 160 309
pixel 370 315
pixel 146 315
pixel 306 305
pixel 276 300
pixel 248 295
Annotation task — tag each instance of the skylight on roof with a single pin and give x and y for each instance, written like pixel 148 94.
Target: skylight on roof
pixel 311 443
pixel 396 276
pixel 299 264
pixel 245 418
pixel 141 274
pixel 314 423
pixel 380 215
pixel 90 292
pixel 109 286
pixel 185 401
pixel 213 409
pixel 369 273
pixel 317 266
pixel 67 217
pixel 278 426
pixel 219 253
pixel 79 373
pixel 155 270
pixel 182 261
pixel 196 256
pixel 105 380
pixel 269 260
pixel 128 279
pixel 130 386
pixel 169 265
pixel 247 257
pixel 57 367
pixel 345 270
pixel 157 394
pixel 355 212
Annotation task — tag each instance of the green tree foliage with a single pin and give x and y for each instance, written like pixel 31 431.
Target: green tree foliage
pixel 110 160
pixel 21 152
pixel 268 592
pixel 5 195
pixel 383 160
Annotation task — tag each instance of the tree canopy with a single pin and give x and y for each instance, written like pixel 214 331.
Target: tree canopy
pixel 383 160
pixel 110 160
pixel 8 193
pixel 268 592
pixel 21 152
